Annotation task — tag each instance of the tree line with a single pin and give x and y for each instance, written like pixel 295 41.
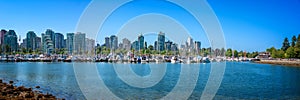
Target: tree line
pixel 288 49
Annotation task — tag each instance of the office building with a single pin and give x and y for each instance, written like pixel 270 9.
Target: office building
pixel 31 43
pixel 161 41
pixel 11 40
pixel 2 33
pixel 141 42
pixel 113 42
pixel 126 44
pixel 59 40
pixel 70 42
pixel 107 42
pixel 47 44
pixel 79 43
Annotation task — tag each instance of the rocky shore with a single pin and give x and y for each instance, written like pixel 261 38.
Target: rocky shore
pixel 11 92
pixel 284 62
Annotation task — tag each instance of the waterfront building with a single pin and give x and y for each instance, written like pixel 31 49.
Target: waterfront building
pixel 161 41
pixel 107 42
pixel 79 43
pixel 38 42
pixel 2 33
pixel 141 41
pixel 126 44
pixel 135 45
pixel 48 46
pixel 90 46
pixel 168 45
pixel 190 43
pixel 51 34
pixel 31 43
pixel 113 42
pixel 11 40
pixel 155 45
pixel 70 42
pixel 24 43
pixel 64 44
pixel 59 40
pixel 198 45
pixel 174 47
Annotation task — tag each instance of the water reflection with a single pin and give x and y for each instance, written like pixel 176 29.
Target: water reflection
pixel 241 80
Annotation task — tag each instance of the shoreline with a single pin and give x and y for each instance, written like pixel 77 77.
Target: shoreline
pixel 288 63
pixel 10 91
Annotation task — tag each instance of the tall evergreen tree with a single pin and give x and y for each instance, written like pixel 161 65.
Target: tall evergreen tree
pixel 298 42
pixel 285 44
pixel 297 47
pixel 294 39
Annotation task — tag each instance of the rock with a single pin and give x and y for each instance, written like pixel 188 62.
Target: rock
pixel 38 87
pixel 11 82
pixel 0 80
pixel 29 89
pixel 4 93
pixel 40 96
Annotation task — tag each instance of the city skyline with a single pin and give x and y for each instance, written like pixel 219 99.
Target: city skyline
pixel 255 27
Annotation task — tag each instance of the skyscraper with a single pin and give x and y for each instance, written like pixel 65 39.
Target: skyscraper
pixel 141 41
pixel 31 41
pixel 64 43
pixel 113 42
pixel 168 45
pixel 107 42
pixel 190 43
pixel 48 47
pixel 155 45
pixel 38 42
pixel 126 44
pixel 197 45
pixel 79 43
pixel 59 40
pixel 135 45
pixel 90 46
pixel 11 40
pixel 2 33
pixel 51 34
pixel 161 41
pixel 70 42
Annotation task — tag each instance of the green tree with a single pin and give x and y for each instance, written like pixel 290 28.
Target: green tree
pixel 252 55
pixel 151 47
pixel 294 39
pixel 23 50
pixel 285 44
pixel 297 45
pixel 7 49
pixel 229 53
pixel 236 54
pixel 274 53
pixel 240 54
pixel 280 54
pixel 163 52
pixel 271 49
pixel 290 52
pixel 297 52
pixel 30 51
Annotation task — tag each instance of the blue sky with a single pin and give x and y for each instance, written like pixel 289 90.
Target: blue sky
pixel 251 25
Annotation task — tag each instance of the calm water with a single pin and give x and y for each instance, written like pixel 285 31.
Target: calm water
pixel 240 81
